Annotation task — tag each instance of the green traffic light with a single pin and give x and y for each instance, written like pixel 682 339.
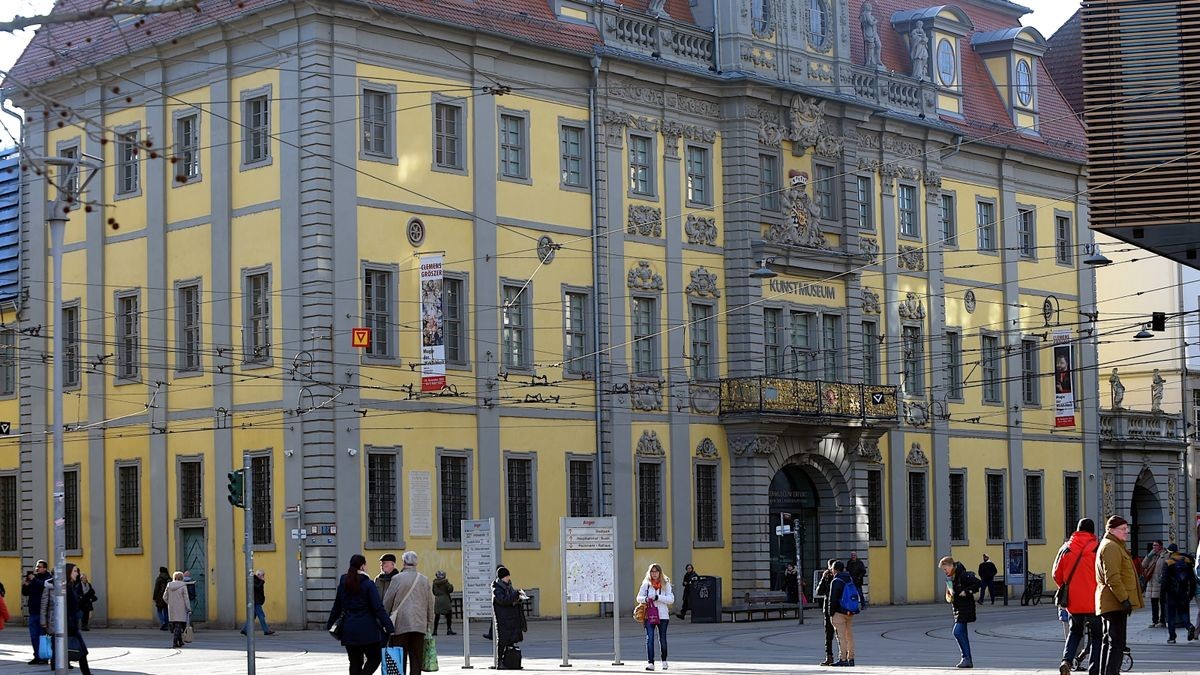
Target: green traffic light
pixel 237 487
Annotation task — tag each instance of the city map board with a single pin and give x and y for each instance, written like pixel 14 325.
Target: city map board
pixel 588 559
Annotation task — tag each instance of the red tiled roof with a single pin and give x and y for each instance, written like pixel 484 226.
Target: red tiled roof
pixel 680 10
pixel 1064 60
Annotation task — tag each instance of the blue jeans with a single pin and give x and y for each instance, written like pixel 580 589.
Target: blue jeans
pixel 662 639
pixel 1080 623
pixel 962 633
pixel 162 616
pixel 35 631
pixel 262 620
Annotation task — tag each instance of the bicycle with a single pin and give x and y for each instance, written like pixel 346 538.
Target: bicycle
pixel 1034 583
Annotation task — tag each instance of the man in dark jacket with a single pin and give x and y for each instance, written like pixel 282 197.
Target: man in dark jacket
pixel 987 579
pixel 387 571
pixel 857 569
pixel 506 605
pixel 260 599
pixel 1178 588
pixel 840 616
pixel 823 592
pixel 960 587
pixel 1075 570
pixel 689 578
pixel 32 588
pixel 160 605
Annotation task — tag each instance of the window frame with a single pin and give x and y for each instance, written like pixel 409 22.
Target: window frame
pixel 991 386
pixel 391 314
pixel 72 342
pixel 651 338
pixel 181 489
pixel 965 539
pixel 705 177
pixel 72 527
pixel 826 352
pixel 388 92
pixel 590 460
pixel 183 151
pixel 1072 512
pixel 576 367
pixel 525 173
pixel 524 307
pixel 993 510
pixel 118 494
pixel 468 487
pixel 949 218
pixel 870 351
pixel 922 515
pixel 989 229
pixel 955 387
pixel 1064 251
pixel 661 516
pixel 259 519
pixel 632 182
pixel 251 360
pixel 1031 395
pixel 913 210
pixel 709 370
pixel 9 362
pixel 396 453
pixel 127 169
pixel 1035 516
pixel 1027 232
pixel 825 192
pixel 251 131
pixel 10 513
pixel 803 355
pixel 127 371
pixel 441 102
pixel 718 540
pixel 535 542
pixel 776 343
pixel 865 188
pixel 918 359
pixel 182 330
pixel 69 149
pixel 769 187
pixel 585 169
pixel 876 509
pixel 462 279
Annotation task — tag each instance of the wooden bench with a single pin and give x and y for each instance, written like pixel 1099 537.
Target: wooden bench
pixel 760 612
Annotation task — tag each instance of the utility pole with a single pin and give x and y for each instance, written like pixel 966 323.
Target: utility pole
pixel 241 494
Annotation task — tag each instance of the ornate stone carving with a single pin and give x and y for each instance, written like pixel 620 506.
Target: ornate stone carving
pixel 758 57
pixel 755 444
pixel 869 249
pixel 870 301
pixel 911 258
pixel 803 227
pixel 691 132
pixel 868 450
pixel 770 133
pixel 807 127
pixel 657 8
pixel 646 396
pixel 642 277
pixel 916 456
pixel 1117 390
pixel 912 308
pixel 916 413
pixel 872 45
pixel 933 185
pixel 545 249
pixel 701 230
pixel 649 446
pixel 1108 492
pixel 707 449
pixel 1156 392
pixel 705 399
pixel 918 45
pixel 969 301
pixel 645 221
pixel 703 284
pixel 624 90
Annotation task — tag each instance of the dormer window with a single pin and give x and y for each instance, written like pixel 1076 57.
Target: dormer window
pixel 941 29
pixel 947 63
pixel 1024 86
pixel 761 20
pixel 818 24
pixel 1011 56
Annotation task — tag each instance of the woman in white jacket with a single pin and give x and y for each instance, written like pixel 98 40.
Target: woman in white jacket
pixel 657 594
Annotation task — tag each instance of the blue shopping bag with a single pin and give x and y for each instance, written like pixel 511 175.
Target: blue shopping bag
pixel 45 647
pixel 393 661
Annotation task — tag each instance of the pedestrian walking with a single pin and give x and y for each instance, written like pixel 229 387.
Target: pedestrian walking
pixel 179 606
pixel 409 603
pixel 506 606
pixel 387 571
pixel 823 592
pixel 76 648
pixel 791 583
pixel 960 588
pixel 160 605
pixel 1116 593
pixel 1152 567
pixel 1075 575
pixel 358 618
pixel 87 601
pixel 841 614
pixel 656 592
pixel 260 599
pixel 689 578
pixel 32 589
pixel 443 606
pixel 857 569
pixel 987 579
pixel 1178 586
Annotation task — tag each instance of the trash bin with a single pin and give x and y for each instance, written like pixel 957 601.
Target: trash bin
pixel 705 600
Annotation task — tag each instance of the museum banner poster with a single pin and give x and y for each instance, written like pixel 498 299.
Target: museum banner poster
pixel 1064 378
pixel 433 322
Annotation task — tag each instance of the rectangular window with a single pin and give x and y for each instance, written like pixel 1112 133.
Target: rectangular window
pixel 876 524
pixel 707 527
pixel 914 360
pixel 575 344
pixel 958 507
pixel 1029 372
pixel 453 497
pixel 831 347
pixel 918 507
pixel 129 353
pixel 516 327
pixel 129 506
pixel 258 317
pixel 1034 523
pixel 519 472
pixel 70 324
pixel 703 330
pixel 768 182
pixel 954 366
pixel 910 220
pixel 803 344
pixel 949 221
pixel 580 488
pixel 187 147
pixel 772 350
pixel 188 331
pixel 995 507
pixel 453 304
pixel 191 489
pixel 382 505
pixel 825 192
pixel 1026 233
pixel 866 203
pixel 9 513
pixel 512 147
pixel 645 337
pixel 985 221
pixel 1062 240
pixel 572 160
pixel 70 183
pixel 71 509
pixel 1071 502
pixel 870 347
pixel 447 136
pixel 649 502
pixel 697 175
pixel 260 469
pixel 8 362
pixel 377 311
pixel 375 128
pixel 990 364
pixel 257 132
pixel 640 169
pixel 127 163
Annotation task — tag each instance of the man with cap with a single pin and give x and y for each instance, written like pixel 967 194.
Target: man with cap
pixel 1117 593
pixel 387 570
pixel 1075 572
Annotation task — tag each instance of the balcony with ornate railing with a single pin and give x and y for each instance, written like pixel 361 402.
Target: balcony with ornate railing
pixel 815 399
pixel 660 37
pixel 1142 427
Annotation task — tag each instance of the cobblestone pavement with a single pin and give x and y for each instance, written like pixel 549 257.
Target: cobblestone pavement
pixel 908 639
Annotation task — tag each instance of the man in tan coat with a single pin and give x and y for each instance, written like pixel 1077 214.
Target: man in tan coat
pixel 1117 593
pixel 409 603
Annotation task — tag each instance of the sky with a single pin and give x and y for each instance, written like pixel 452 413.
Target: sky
pixel 1047 16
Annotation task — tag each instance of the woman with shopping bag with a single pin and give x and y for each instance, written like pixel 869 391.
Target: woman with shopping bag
pixel 358 619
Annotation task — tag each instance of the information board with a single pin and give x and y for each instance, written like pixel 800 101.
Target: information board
pixel 479 567
pixel 588 559
pixel 420 503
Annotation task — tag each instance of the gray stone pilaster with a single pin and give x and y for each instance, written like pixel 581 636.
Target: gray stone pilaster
pixel 155 352
pixel 678 372
pixel 1011 344
pixel 749 475
pixel 34 376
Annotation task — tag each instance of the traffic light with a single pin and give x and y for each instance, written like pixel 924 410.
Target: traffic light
pixel 237 488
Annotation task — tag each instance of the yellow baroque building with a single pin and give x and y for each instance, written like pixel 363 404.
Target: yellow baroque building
pixel 794 263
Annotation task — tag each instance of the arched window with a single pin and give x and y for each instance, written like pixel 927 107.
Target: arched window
pixel 818 23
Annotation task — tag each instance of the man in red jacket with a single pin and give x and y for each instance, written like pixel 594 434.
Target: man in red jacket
pixel 1075 568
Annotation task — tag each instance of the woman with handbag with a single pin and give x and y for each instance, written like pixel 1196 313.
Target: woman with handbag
pixel 358 619
pixel 409 604
pixel 178 608
pixel 76 648
pixel 657 596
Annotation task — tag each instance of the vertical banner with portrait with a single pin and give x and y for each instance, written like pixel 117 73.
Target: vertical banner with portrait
pixel 1064 378
pixel 1016 554
pixel 433 334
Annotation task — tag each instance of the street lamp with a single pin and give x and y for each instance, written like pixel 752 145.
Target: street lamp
pixel 1094 257
pixel 763 272
pixel 67 187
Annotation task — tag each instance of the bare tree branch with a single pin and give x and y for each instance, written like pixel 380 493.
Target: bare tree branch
pixel 108 9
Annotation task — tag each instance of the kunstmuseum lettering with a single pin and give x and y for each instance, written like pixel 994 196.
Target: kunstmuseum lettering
pixel 805 288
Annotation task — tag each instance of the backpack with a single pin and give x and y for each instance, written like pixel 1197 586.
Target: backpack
pixel 970 582
pixel 851 601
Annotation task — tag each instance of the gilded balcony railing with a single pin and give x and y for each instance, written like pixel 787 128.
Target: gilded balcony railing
pixel 816 398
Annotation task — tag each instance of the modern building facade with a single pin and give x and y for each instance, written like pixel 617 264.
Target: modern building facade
pixel 796 263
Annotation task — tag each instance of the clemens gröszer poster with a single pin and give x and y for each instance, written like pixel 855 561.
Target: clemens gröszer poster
pixel 1064 380
pixel 433 322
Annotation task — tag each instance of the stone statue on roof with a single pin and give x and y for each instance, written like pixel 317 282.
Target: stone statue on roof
pixel 870 33
pixel 918 45
pixel 1118 390
pixel 1156 392
pixel 658 8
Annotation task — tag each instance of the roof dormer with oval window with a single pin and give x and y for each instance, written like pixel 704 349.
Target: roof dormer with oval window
pixel 933 37
pixel 1012 58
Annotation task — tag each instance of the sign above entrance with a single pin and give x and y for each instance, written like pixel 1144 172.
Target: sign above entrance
pixel 828 292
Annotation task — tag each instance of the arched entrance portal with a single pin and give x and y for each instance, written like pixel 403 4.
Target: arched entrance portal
pixel 793 501
pixel 1147 513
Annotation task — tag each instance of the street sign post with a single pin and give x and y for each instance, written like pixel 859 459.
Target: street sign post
pixel 478 571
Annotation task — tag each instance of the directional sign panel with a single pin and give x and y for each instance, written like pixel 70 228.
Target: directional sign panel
pixel 5 428
pixel 360 338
